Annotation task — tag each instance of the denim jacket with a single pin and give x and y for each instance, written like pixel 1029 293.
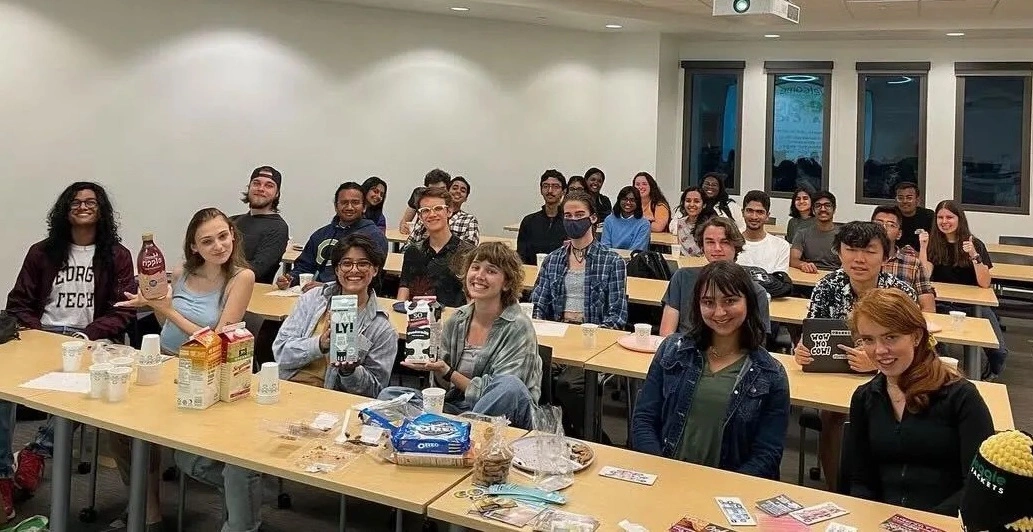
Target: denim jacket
pixel 755 423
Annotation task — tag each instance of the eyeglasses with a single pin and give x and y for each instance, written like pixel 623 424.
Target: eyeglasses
pixel 362 266
pixel 551 186
pixel 906 198
pixel 627 200
pixel 84 204
pixel 891 225
pixel 823 205
pixel 437 209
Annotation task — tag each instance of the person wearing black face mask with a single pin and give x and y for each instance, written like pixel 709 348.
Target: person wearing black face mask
pixel 581 282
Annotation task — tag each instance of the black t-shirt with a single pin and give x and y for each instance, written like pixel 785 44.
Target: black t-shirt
pixel 540 234
pixel 961 274
pixel 923 219
pixel 429 273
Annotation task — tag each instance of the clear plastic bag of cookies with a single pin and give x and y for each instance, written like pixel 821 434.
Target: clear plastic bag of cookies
pixel 492 462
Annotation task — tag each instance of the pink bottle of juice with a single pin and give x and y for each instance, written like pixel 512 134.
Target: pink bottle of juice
pixel 150 263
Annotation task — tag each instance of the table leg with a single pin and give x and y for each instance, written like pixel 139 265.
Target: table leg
pixel 61 483
pixel 592 406
pixel 399 520
pixel 633 387
pixel 139 464
pixel 342 519
pixel 973 358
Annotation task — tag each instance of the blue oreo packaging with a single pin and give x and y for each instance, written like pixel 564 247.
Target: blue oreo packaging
pixel 431 433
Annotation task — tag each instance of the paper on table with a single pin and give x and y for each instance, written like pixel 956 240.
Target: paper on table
pixel 60 382
pixel 283 293
pixel 548 328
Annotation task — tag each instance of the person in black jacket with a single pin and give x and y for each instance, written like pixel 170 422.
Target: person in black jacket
pixel 914 428
pixel 542 231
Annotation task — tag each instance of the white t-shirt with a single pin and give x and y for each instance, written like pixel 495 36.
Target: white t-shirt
pixel 71 298
pixel 770 254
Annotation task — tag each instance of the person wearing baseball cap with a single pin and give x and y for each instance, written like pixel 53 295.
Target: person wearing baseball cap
pixel 265 231
pixel 998 493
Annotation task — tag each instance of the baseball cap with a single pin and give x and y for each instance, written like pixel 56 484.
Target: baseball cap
pixel 267 171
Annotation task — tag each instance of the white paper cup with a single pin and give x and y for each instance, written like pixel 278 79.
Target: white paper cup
pixel 118 383
pixel 99 380
pixel 305 279
pixel 150 349
pixel 676 250
pixel 434 400
pixel 588 331
pixel 148 374
pixel 73 347
pixel 528 309
pixel 642 332
pixel 957 319
pixel 540 258
pixel 71 361
pixel 950 361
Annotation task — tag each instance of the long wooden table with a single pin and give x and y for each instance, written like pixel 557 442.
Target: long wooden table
pixel 681 489
pixel 1010 248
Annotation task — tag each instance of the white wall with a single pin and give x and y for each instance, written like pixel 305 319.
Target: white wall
pixel 843 135
pixel 171 103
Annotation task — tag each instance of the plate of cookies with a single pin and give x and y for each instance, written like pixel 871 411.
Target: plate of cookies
pixel 528 454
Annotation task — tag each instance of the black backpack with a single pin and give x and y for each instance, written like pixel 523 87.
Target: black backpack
pixel 777 284
pixel 648 265
pixel 8 327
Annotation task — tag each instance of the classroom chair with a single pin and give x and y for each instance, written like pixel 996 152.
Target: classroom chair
pixel 845 453
pixel 808 420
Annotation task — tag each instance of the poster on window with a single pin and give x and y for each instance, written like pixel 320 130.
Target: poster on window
pixel 798 119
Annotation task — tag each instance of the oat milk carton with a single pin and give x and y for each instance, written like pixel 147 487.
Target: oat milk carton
pixel 199 361
pixel 344 312
pixel 238 353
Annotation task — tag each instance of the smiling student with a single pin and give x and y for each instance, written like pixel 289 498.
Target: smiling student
pixel 654 205
pixel 625 228
pixel 376 195
pixel 429 268
pixel 691 213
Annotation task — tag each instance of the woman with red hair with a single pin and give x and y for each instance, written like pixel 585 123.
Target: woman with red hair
pixel 916 426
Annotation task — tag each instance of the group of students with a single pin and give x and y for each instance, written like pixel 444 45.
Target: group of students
pixel 713 394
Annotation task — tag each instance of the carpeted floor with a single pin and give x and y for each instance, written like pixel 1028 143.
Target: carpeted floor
pixel 316 510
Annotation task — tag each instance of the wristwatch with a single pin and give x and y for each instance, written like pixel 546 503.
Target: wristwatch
pixel 978 259
pixel 448 374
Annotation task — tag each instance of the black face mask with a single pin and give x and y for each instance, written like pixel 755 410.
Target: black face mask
pixel 577 228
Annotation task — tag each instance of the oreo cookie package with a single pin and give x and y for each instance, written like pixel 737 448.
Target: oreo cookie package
pixel 431 433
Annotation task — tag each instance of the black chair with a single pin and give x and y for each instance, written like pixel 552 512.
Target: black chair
pixel 545 353
pixel 1016 241
pixel 845 453
pixel 809 419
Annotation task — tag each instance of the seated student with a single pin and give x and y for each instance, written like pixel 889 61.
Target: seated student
pixel 916 426
pixel 68 283
pixel 490 363
pixel 903 262
pixel 720 240
pixel 594 179
pixel 211 289
pixel 951 254
pixel 350 204
pixel 913 215
pixel 577 183
pixel 716 198
pixel 713 395
pixel 625 228
pixel 265 232
pixel 655 207
pixel 581 282
pixel 429 268
pixel 690 213
pixel 436 178
pixel 862 248
pixel 461 223
pixel 762 249
pixel 376 196
pixel 800 215
pixel 812 246
pixel 542 231
pixel 302 346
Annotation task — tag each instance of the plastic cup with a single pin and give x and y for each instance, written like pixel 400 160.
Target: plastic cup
pixel 642 332
pixel 957 319
pixel 71 360
pixel 305 279
pixel 540 258
pixel 148 374
pixel 434 400
pixel 528 309
pixel 99 380
pixel 588 331
pixel 118 383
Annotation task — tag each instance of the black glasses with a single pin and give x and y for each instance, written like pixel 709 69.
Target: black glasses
pixel 823 205
pixel 84 204
pixel 362 266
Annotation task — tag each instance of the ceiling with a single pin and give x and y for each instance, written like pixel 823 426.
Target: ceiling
pixel 820 19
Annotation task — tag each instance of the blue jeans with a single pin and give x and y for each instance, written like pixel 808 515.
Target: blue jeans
pixel 995 358
pixel 241 489
pixel 505 395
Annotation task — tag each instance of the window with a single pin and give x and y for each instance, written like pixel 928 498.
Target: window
pixel 890 128
pixel 992 136
pixel 713 115
pixel 799 103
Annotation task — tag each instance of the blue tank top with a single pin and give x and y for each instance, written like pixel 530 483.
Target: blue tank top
pixel 201 309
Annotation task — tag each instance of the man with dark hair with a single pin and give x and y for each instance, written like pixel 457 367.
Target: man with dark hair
pixel 431 267
pixel 436 178
pixel 461 223
pixel 914 217
pixel 264 230
pixel 720 239
pixel 813 246
pixel 542 231
pixel 350 204
pixel 903 262
pixel 762 250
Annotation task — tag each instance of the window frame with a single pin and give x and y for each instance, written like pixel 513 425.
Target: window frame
pixel 690 69
pixel 963 70
pixel 919 70
pixel 820 69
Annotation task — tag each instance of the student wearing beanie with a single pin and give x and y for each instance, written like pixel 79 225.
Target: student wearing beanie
pixel 998 494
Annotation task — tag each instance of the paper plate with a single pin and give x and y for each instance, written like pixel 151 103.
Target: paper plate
pixel 525 455
pixel 630 342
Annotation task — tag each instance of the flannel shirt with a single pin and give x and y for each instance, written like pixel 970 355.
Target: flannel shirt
pixel 905 266
pixel 462 224
pixel 834 298
pixel 606 278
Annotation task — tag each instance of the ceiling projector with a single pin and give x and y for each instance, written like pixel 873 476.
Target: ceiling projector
pixel 757 8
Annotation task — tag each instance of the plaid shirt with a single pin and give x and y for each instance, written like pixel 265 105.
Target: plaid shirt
pixel 834 298
pixel 905 266
pixel 462 224
pixel 606 278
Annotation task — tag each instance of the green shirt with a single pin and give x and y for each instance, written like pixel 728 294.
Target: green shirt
pixel 704 426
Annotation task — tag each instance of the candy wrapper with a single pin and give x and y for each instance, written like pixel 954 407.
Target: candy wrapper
pixel 493 455
pixel 433 434
pixel 555 470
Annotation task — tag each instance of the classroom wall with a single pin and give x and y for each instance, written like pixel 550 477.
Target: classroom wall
pixel 171 103
pixel 942 53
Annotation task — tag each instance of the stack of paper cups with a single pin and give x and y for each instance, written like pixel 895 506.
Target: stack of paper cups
pixel 150 349
pixel 268 383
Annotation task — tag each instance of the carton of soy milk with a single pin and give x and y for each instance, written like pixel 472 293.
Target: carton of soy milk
pixel 344 312
pixel 238 352
pixel 199 361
